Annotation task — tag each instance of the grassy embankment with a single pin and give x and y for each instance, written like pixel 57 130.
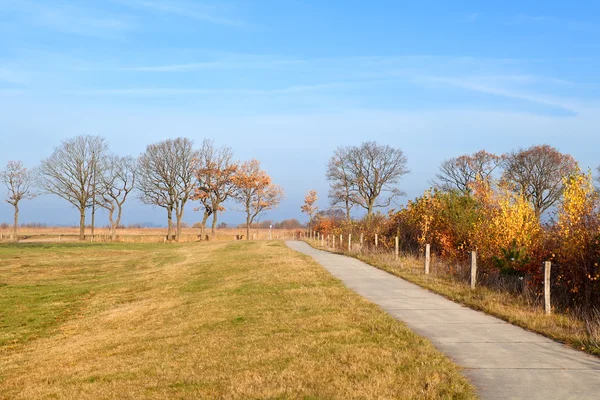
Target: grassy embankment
pixel 522 311
pixel 209 320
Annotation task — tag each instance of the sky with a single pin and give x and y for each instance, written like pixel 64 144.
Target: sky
pixel 286 82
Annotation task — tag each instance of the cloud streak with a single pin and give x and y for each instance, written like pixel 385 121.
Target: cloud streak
pixel 189 10
pixel 71 19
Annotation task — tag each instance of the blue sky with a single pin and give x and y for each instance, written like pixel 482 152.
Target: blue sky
pixel 287 81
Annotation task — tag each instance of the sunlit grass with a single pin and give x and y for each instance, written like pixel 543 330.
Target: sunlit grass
pixel 209 320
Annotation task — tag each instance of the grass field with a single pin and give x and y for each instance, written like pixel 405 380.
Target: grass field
pixel 135 235
pixel 200 320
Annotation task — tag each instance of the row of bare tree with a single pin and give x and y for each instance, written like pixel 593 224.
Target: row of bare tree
pixel 168 174
pixel 538 172
pixel 367 176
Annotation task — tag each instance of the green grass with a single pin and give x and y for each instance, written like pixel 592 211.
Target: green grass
pixel 211 320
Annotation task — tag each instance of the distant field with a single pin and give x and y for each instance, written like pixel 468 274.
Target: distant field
pixel 231 320
pixel 53 234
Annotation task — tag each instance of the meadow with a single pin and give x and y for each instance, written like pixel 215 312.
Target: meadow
pixel 219 319
pixel 135 235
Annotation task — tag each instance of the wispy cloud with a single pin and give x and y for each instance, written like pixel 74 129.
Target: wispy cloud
pixel 187 9
pixel 71 19
pixel 491 86
pixel 161 91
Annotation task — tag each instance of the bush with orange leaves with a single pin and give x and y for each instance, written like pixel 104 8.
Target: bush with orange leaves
pixel 442 219
pixel 576 242
pixel 507 231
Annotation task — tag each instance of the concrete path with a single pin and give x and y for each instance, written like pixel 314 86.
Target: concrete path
pixel 501 360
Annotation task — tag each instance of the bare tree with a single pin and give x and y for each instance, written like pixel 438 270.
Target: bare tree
pixel 18 181
pixel 459 173
pixel 538 173
pixel 71 172
pixel 341 188
pixel 370 174
pixel 166 177
pixel 214 184
pixel 255 191
pixel 115 184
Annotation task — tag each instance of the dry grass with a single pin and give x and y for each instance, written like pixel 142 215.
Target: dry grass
pixel 207 320
pixel 580 333
pixel 134 235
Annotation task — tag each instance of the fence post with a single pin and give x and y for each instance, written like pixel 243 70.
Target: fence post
pixel 322 240
pixel 376 241
pixel 427 258
pixel 349 242
pixel 473 269
pixel 547 304
pixel 397 249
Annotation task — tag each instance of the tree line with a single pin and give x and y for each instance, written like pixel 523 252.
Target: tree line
pixel 168 174
pixel 517 210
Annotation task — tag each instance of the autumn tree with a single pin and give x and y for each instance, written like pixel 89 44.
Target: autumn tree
pixel 341 187
pixel 309 207
pixel 115 184
pixel 577 240
pixel 538 172
pixel 255 191
pixel 166 177
pixel 368 174
pixel 459 173
pixel 71 172
pixel 506 222
pixel 19 182
pixel 214 184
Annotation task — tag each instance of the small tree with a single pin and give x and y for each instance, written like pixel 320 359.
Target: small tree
pixel 18 181
pixel 115 184
pixel 459 173
pixel 214 184
pixel 538 172
pixel 166 177
pixel 341 188
pixel 373 172
pixel 309 207
pixel 71 172
pixel 255 191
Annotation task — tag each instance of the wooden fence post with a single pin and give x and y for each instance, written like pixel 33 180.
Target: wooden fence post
pixel 397 249
pixel 376 241
pixel 427 258
pixel 547 304
pixel 349 242
pixel 473 269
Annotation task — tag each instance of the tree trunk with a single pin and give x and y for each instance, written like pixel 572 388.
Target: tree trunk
pixel 347 210
pixel 369 210
pixel 113 226
pixel 213 231
pixel 248 223
pixel 203 226
pixel 178 232
pixel 93 217
pixel 170 222
pixel 82 223
pixel 16 226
